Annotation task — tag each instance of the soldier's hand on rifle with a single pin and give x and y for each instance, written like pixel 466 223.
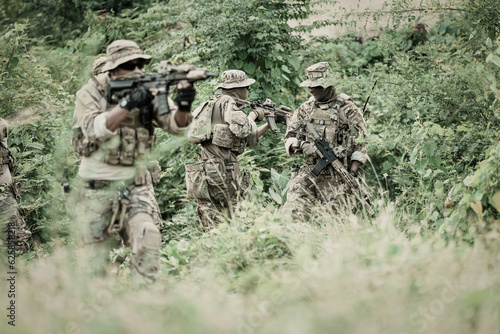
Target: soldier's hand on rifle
pixel 308 148
pixel 185 96
pixel 139 98
pixel 260 113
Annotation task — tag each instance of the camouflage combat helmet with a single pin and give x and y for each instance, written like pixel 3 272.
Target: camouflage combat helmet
pixel 234 79
pixel 97 65
pixel 319 74
pixel 121 51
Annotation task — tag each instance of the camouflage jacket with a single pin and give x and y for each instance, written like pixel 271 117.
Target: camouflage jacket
pixel 129 141
pixel 338 120
pixel 241 131
pixel 6 158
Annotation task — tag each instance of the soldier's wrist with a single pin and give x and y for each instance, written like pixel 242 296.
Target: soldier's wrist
pixel 125 104
pixel 353 172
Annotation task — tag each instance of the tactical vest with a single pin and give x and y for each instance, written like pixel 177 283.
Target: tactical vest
pixel 131 141
pixel 331 123
pixel 221 134
pixel 97 89
pixel 134 137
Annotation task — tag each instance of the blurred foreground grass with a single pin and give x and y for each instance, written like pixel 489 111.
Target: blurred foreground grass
pixel 332 275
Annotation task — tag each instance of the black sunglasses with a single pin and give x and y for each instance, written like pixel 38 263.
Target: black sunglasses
pixel 131 65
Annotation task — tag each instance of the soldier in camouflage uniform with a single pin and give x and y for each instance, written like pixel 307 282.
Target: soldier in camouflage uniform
pixel 15 233
pixel 215 179
pixel 112 141
pixel 337 119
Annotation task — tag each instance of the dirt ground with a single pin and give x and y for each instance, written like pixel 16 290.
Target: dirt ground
pixel 365 25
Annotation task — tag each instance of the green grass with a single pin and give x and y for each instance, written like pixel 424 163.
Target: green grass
pixel 346 275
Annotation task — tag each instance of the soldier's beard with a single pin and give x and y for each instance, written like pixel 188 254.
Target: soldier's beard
pixel 137 73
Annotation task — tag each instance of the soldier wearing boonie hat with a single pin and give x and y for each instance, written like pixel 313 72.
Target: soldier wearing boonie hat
pixel 319 74
pixel 122 51
pixel 97 66
pixel 234 79
pixel 113 141
pixel 338 120
pixel 231 132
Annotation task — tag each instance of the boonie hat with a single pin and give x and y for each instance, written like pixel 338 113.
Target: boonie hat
pixel 319 74
pixel 97 65
pixel 121 51
pixel 234 79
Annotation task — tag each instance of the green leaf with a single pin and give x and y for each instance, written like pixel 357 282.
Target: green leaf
pixel 495 201
pixel 413 157
pixel 242 55
pixel 13 62
pixel 261 35
pixel 496 60
pixel 275 196
pixel 238 64
pixel 294 62
pixel 249 68
pixel 468 180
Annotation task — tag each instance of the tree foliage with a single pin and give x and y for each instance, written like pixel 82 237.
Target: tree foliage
pixel 437 91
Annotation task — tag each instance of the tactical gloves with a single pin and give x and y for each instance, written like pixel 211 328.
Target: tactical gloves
pixel 353 173
pixel 185 98
pixel 137 99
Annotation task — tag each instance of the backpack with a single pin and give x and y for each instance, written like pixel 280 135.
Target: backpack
pixel 200 128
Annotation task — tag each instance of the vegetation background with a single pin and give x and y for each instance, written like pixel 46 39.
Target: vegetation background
pixel 428 262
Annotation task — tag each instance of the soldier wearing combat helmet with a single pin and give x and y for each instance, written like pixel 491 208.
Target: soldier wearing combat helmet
pixel 340 122
pixel 223 131
pixel 15 234
pixel 113 139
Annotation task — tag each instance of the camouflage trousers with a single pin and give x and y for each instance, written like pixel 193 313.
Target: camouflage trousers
pixel 306 191
pixel 224 190
pixel 15 233
pixel 129 213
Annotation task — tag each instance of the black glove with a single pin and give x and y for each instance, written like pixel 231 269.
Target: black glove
pixel 139 98
pixel 353 173
pixel 185 97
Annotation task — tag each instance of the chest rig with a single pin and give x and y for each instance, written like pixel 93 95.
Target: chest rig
pixel 330 122
pixel 134 137
pixel 222 135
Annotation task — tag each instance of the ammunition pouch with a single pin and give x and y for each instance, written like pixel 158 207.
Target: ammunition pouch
pixel 80 145
pixel 223 137
pixel 211 179
pixel 131 144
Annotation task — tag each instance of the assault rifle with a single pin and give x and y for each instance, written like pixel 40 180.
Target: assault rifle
pixel 328 158
pixel 166 76
pixel 273 115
